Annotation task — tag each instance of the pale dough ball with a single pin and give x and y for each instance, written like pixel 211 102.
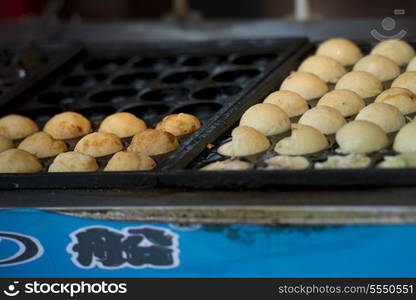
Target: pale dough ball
pixel 308 85
pixel 292 103
pixel 43 145
pixel 179 124
pixel 347 102
pixel 226 149
pixel 405 140
pixel 380 66
pixel 122 124
pixel 17 127
pixel 388 117
pixel 266 118
pixel 398 51
pixel 304 140
pixel 99 144
pixel 284 162
pixel 361 137
pixel 326 68
pixel 227 165
pixel 67 125
pixel 401 98
pixel 340 49
pixel 412 65
pixel 406 80
pixel 19 161
pixel 130 161
pixel 248 141
pixel 324 118
pixel 153 142
pixel 73 162
pixel 5 143
pixel 363 83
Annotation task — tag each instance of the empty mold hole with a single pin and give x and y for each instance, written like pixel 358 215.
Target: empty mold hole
pixel 167 94
pixel 113 96
pixel 61 98
pixel 106 64
pixel 202 61
pixel 97 113
pixel 155 62
pixel 217 93
pixel 201 110
pixel 149 111
pixel 83 80
pixel 255 59
pixel 136 79
pixel 238 76
pixel 185 77
pixel 41 115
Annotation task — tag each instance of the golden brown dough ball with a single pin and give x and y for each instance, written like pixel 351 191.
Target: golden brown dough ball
pixel 19 161
pixel 17 127
pixel 401 98
pixel 73 162
pixel 363 83
pixel 99 144
pixel 308 85
pixel 248 141
pixel 179 124
pixel 406 80
pixel 130 161
pixel 347 102
pixel 380 66
pixel 290 102
pixel 361 137
pixel 122 124
pixel 5 143
pixel 405 140
pixel 266 118
pixel 326 68
pixel 67 125
pixel 340 49
pixel 43 145
pixel 388 117
pixel 153 142
pixel 324 118
pixel 398 51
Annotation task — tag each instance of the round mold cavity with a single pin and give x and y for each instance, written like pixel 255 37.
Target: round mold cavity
pixel 148 111
pixel 155 62
pixel 166 94
pixel 201 110
pixel 255 59
pixel 136 79
pixel 61 98
pixel 203 61
pixel 238 76
pixel 96 113
pixel 217 92
pixel 41 115
pixel 105 64
pixel 113 96
pixel 83 80
pixel 185 77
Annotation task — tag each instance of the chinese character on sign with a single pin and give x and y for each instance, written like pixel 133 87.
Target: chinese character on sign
pixel 136 247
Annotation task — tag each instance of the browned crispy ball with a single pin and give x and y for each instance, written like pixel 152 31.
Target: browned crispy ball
pixel 19 161
pixel 43 145
pixel 99 144
pixel 67 125
pixel 122 124
pixel 17 127
pixel 179 124
pixel 153 142
pixel 130 161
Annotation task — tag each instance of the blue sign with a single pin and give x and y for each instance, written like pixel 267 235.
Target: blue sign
pixel 35 243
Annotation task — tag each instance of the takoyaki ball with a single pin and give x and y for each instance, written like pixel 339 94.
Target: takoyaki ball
pixel 361 137
pixel 304 140
pixel 324 118
pixel 179 124
pixel 292 103
pixel 153 142
pixel 363 83
pixel 99 144
pixel 388 117
pixel 345 101
pixel 380 66
pixel 401 98
pixel 5 143
pixel 403 160
pixel 122 124
pixel 42 145
pixel 412 65
pixel 308 85
pixel 397 50
pixel 130 161
pixel 73 162
pixel 67 125
pixel 17 127
pixel 326 68
pixel 405 140
pixel 227 165
pixel 350 161
pixel 342 50
pixel 266 118
pixel 19 161
pixel 406 80
pixel 248 141
pixel 226 149
pixel 284 162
